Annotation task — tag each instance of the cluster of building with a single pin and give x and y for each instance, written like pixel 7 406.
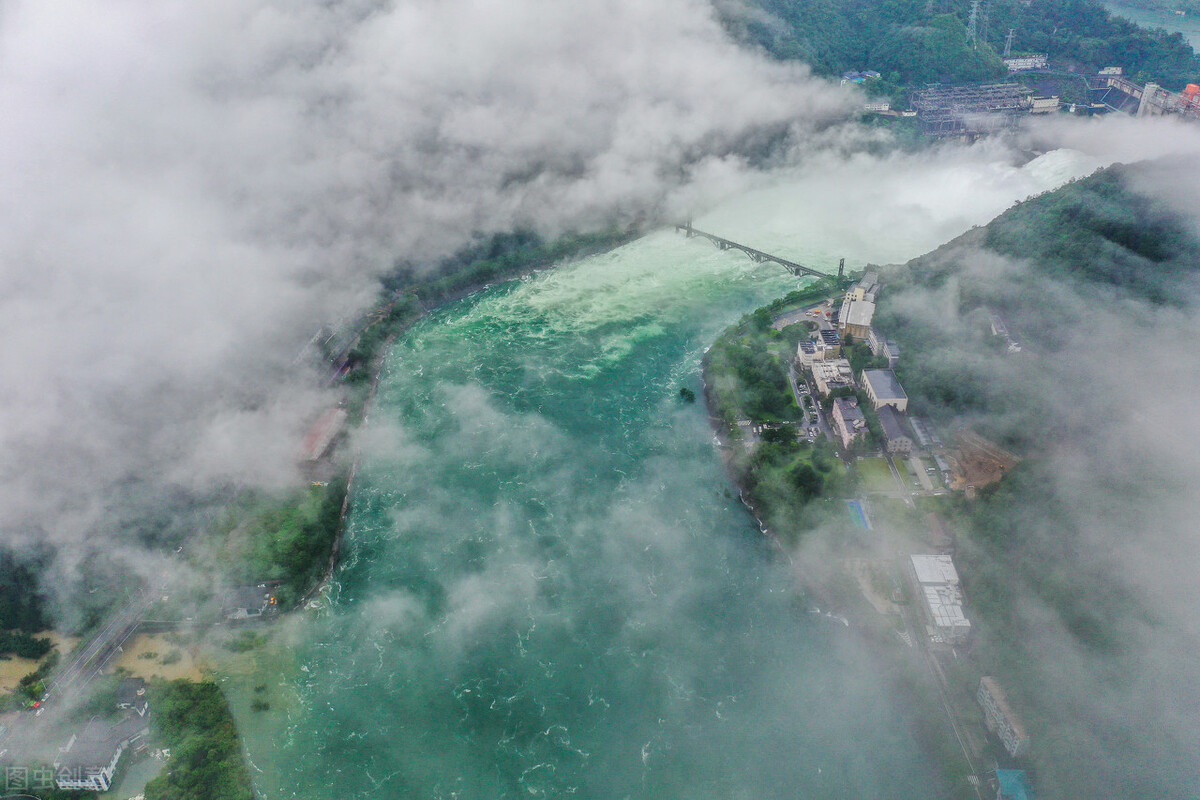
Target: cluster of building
pixel 889 401
pixel 934 575
pixel 823 358
pixel 89 759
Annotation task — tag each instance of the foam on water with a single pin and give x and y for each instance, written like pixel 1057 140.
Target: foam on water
pixel 548 588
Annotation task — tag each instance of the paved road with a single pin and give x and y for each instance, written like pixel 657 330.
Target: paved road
pixel 88 659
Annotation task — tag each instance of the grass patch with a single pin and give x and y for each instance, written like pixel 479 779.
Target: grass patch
pixel 875 476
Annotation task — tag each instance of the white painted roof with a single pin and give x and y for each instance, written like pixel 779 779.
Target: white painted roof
pixel 945 607
pixel 935 570
pixel 860 312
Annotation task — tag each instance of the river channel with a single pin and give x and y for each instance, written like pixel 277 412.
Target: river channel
pixel 1187 24
pixel 549 589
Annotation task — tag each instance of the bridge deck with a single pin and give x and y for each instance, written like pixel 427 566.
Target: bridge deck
pixel 758 256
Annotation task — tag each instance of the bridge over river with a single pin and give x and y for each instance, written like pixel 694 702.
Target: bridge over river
pixel 758 256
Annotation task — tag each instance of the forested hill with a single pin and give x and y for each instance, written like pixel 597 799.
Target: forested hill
pixel 1051 267
pixel 913 42
pixel 1095 285
pixel 1097 233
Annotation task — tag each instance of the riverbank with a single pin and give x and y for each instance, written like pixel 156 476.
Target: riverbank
pixel 780 471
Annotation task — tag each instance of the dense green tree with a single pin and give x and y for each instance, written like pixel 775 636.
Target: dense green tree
pixel 21 606
pixel 912 42
pixel 194 722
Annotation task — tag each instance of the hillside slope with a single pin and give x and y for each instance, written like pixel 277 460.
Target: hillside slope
pixel 1079 566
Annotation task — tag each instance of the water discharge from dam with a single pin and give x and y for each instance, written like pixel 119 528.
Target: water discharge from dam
pixel 548 588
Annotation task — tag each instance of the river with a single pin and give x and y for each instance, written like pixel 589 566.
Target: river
pixel 548 589
pixel 1187 24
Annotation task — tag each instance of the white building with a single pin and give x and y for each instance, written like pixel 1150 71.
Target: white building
pixel 809 351
pixel 937 581
pixel 90 758
pixel 854 320
pixel 1021 63
pixel 1043 105
pixel 935 570
pixel 832 374
pixel 858 306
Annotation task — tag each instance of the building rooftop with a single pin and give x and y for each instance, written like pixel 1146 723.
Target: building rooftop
pixel 830 337
pixel 884 384
pixel 945 606
pixel 130 689
pixel 254 598
pixel 833 369
pixel 131 692
pixel 935 569
pixel 859 312
pixel 1001 701
pixel 848 408
pixel 892 423
pixel 94 746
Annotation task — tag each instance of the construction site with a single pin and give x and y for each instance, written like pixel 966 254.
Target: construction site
pixel 978 462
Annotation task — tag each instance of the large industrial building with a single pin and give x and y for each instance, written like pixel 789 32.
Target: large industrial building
pixel 969 111
pixel 858 307
pixel 883 389
pixel 937 581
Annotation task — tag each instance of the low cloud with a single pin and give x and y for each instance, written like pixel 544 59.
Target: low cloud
pixel 1095 558
pixel 189 193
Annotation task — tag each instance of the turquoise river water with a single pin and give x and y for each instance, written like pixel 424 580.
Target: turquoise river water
pixel 1187 24
pixel 548 589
